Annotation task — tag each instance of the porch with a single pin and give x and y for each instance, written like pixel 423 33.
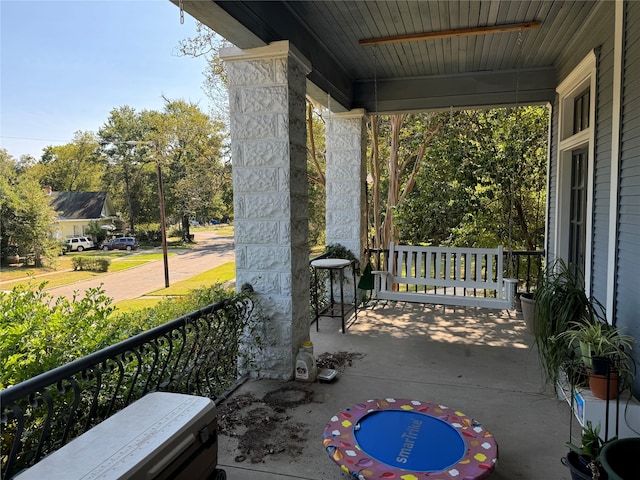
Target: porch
pixel 479 361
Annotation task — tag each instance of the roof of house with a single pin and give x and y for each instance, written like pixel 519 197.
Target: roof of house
pixel 78 205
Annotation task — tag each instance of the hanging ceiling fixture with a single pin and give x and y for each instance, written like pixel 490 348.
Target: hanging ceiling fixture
pixel 459 32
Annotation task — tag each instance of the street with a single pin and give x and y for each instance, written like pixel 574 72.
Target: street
pixel 210 251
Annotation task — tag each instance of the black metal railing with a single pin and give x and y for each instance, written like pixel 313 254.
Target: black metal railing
pixel 525 265
pixel 194 354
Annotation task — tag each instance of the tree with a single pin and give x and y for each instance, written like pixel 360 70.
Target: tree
pixel 207 43
pixel 28 221
pixel 483 183
pixel 188 144
pixel 125 177
pixel 74 167
pixel 409 136
pixel 316 168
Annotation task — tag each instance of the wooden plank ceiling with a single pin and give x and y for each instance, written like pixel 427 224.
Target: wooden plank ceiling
pixel 432 73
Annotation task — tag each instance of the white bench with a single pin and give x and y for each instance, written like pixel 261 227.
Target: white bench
pixel 449 276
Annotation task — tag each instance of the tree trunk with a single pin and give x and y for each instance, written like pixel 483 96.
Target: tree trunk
pixel 375 188
pixel 186 232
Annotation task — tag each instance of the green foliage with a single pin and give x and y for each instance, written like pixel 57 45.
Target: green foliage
pixel 482 183
pixel 27 221
pixel 98 234
pixel 335 250
pixel 180 144
pixel 93 263
pixel 591 445
pixel 74 167
pixel 149 233
pixel 39 332
pixel 561 304
pixel 596 338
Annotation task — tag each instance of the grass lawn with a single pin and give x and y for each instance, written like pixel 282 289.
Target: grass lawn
pixel 226 230
pixel 137 304
pixel 120 260
pixel 220 274
pixel 53 280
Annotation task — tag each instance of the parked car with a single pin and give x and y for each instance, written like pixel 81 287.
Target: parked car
pixel 78 244
pixel 121 243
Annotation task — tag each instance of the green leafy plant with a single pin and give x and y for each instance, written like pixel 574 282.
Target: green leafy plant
pixel 335 250
pixel 590 448
pixel 599 340
pixel 561 305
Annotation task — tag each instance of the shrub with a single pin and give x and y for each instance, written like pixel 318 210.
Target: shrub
pixel 39 332
pixel 96 264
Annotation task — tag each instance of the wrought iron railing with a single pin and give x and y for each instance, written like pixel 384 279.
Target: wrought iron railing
pixel 526 266
pixel 195 354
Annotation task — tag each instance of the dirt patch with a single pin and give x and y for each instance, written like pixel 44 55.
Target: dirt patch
pixel 262 426
pixel 337 361
pixel 287 397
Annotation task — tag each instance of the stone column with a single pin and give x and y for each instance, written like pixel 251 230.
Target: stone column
pixel 346 141
pixel 267 88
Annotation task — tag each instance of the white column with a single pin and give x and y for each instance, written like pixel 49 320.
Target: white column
pixel 346 143
pixel 267 88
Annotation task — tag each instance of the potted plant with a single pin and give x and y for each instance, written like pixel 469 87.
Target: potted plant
pixel 528 307
pixel 584 461
pixel 619 458
pixel 605 352
pixel 560 304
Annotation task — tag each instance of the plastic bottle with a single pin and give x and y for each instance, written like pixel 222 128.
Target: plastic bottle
pixel 306 368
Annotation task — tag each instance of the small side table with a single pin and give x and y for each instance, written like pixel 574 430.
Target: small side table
pixel 335 266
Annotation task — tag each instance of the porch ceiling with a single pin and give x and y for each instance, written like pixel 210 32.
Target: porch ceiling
pixel 429 74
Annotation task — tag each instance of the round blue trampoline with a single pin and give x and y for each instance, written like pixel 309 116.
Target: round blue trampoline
pixel 409 440
pixel 414 441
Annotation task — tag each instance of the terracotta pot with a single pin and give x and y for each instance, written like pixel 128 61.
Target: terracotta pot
pixel 598 385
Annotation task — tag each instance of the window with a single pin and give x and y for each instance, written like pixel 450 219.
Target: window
pixel 575 156
pixel 578 211
pixel 581 112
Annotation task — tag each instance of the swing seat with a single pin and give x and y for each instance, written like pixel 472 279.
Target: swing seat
pixel 448 276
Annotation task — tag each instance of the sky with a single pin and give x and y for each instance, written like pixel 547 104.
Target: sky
pixel 64 65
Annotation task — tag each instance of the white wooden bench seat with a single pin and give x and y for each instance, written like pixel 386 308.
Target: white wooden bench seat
pixel 449 276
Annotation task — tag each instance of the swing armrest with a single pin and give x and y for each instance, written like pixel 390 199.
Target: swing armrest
pixel 381 285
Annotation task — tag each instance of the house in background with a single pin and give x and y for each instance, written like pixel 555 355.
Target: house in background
pixel 76 209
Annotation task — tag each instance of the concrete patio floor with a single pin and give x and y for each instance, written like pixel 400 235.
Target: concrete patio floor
pixel 478 361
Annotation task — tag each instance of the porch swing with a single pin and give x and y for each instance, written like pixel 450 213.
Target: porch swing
pixel 430 271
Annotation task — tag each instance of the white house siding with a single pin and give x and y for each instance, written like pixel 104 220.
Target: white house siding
pixel 628 243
